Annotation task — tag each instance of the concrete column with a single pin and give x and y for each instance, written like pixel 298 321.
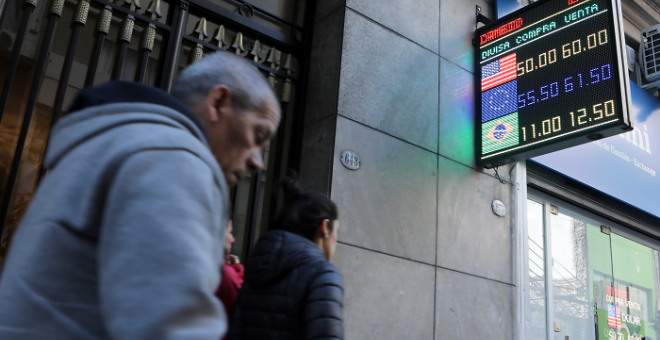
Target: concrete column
pixel 422 254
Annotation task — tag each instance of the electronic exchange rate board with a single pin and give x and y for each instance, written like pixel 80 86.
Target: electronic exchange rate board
pixel 551 75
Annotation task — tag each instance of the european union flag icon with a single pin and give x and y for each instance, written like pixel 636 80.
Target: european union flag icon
pixel 499 101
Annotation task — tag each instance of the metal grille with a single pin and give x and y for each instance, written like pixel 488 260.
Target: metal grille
pixel 73 44
pixel 651 50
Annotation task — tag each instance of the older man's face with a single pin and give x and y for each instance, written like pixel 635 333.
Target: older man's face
pixel 237 138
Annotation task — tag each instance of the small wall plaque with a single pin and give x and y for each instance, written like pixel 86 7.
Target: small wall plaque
pixel 499 208
pixel 557 326
pixel 350 160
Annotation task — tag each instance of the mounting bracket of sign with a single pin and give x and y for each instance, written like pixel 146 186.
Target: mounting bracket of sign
pixel 480 18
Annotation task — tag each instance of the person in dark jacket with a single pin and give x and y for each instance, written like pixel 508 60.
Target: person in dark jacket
pixel 291 291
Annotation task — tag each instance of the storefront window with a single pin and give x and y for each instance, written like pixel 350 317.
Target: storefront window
pixel 634 296
pixel 601 282
pixel 536 253
pixel 576 241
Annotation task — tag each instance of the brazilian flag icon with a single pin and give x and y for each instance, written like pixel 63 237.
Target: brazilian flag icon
pixel 500 133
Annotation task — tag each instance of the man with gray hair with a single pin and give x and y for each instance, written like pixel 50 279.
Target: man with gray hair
pixel 124 239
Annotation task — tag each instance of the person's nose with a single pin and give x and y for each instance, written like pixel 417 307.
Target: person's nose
pixel 255 161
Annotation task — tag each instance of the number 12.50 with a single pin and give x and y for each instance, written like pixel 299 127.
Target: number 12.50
pixel 600 111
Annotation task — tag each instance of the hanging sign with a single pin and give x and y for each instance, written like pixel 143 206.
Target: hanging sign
pixel 551 75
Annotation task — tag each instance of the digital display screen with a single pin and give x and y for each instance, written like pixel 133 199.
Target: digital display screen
pixel 551 75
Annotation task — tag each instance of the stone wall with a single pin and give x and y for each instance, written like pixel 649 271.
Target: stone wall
pixel 422 254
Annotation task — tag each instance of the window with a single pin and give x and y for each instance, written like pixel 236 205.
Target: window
pixel 588 278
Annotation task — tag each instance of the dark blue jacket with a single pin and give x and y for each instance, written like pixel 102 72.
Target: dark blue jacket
pixel 290 292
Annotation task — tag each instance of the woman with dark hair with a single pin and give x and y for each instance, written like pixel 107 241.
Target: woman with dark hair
pixel 291 291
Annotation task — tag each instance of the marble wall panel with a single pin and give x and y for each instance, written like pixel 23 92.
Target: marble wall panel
pixel 388 82
pixel 457 26
pixel 389 203
pixel 471 238
pixel 456 113
pixel 472 308
pixel 417 20
pixel 385 297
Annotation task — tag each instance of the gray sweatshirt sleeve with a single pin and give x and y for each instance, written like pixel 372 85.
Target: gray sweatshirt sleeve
pixel 161 249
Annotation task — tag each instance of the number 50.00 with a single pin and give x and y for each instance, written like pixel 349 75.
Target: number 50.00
pixel 531 64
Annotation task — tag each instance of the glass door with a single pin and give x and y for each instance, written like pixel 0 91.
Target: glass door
pixel 536 280
pixel 633 299
pixel 569 261
pixel 581 269
pixel 588 278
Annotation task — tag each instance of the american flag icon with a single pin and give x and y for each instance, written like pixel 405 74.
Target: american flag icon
pixel 613 316
pixel 498 72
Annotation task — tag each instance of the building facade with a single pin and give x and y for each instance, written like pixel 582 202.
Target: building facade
pixel 422 252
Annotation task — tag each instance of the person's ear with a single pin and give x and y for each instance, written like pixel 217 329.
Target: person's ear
pixel 218 102
pixel 325 228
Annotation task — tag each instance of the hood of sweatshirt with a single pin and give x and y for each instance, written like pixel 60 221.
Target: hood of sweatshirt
pixel 98 109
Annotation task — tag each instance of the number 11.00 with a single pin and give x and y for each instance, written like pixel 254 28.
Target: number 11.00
pixel 548 126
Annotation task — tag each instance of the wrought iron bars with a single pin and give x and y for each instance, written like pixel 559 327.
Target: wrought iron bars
pixel 174 51
pixel 125 36
pixel 256 52
pixel 237 46
pixel 79 20
pixel 273 58
pixel 103 30
pixel 148 39
pixel 285 99
pixel 4 8
pixel 55 13
pixel 220 37
pixel 200 30
pixel 28 7
pixel 253 8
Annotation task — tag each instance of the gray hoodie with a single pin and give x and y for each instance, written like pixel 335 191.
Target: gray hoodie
pixel 124 237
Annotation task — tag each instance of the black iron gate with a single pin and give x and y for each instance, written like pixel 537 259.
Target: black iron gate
pixel 51 49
